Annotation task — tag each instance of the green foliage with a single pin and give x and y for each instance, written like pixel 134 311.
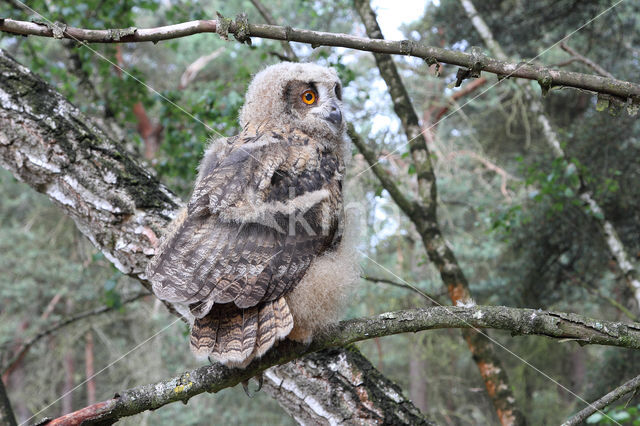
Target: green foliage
pixel 616 415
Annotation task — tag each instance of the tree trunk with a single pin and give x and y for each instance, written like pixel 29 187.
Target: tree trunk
pixel 417 375
pixel 348 390
pixel 424 216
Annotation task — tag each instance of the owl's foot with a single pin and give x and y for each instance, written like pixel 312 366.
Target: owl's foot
pixel 245 385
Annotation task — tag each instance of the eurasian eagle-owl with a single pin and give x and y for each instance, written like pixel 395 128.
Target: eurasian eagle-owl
pixel 261 252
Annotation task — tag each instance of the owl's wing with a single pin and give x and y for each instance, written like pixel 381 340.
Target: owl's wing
pixel 249 256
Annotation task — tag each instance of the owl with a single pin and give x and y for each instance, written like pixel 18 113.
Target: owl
pixel 260 253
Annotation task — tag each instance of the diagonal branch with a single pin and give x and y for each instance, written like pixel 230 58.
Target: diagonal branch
pixel 630 386
pixel 588 62
pixel 622 89
pixel 24 347
pixel 217 377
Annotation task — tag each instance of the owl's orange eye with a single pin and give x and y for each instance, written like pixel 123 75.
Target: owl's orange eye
pixel 309 97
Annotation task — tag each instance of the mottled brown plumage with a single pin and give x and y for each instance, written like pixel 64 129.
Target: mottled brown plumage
pixel 267 206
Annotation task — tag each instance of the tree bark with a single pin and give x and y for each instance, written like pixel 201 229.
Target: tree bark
pixel 424 215
pixel 551 77
pixel 48 143
pixel 349 391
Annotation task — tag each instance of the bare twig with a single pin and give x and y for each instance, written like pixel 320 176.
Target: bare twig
pixel 623 89
pixel 468 88
pixel 431 298
pixel 217 377
pixel 22 349
pixel 504 175
pixel 611 397
pixel 597 68
pixel 268 17
pixel 192 71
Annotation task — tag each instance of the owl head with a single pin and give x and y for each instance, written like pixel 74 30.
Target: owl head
pixel 307 96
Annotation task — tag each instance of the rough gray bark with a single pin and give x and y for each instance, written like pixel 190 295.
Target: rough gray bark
pixel 46 142
pixel 550 77
pixel 354 388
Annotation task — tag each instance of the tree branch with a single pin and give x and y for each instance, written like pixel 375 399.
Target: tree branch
pixel 424 216
pixel 48 143
pixel 405 204
pixel 588 62
pixel 353 382
pixel 611 397
pixel 622 89
pixel 24 347
pixel 216 377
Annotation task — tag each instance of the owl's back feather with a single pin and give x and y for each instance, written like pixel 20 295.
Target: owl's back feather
pixel 233 257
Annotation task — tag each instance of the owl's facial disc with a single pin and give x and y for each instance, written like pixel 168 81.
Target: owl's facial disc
pixel 316 104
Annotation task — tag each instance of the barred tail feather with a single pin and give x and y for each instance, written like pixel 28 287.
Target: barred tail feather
pixel 234 336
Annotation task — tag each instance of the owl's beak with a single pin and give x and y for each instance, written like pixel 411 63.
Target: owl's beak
pixel 335 116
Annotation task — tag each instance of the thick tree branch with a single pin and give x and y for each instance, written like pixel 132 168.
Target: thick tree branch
pixel 608 399
pixel 354 384
pixel 424 216
pixel 216 377
pixel 46 142
pixel 19 352
pixel 622 89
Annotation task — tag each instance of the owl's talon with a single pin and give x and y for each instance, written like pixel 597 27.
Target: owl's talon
pixel 245 386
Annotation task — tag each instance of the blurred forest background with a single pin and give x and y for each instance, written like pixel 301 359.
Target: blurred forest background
pixel 508 208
